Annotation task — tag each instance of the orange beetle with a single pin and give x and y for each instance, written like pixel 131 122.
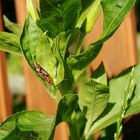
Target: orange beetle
pixel 42 72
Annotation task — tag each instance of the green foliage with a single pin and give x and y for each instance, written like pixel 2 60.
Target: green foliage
pixel 112 20
pixel 99 75
pixel 42 50
pixel 117 88
pixel 68 111
pixel 128 93
pixel 58 16
pixel 25 125
pixel 89 15
pixel 13 27
pixel 93 98
pixel 9 42
pixel 51 41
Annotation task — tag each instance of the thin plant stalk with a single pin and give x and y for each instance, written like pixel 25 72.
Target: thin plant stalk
pixel 127 96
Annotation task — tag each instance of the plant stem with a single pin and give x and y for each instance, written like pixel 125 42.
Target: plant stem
pixel 127 96
pixel 87 128
pixel 32 10
pixel 73 132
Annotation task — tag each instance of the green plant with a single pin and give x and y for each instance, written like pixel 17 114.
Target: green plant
pixel 46 41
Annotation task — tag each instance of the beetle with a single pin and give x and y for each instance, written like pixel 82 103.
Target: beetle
pixel 42 73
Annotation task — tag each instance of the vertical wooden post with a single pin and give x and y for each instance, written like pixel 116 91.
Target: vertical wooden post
pixel 5 97
pixel 20 9
pixel 36 96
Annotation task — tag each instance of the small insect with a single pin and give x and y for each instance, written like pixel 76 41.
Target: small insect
pixel 42 73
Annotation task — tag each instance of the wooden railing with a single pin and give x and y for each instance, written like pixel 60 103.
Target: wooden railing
pixel 119 53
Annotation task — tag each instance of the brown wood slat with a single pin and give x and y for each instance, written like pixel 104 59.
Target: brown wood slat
pixel 36 96
pixel 120 51
pixel 5 97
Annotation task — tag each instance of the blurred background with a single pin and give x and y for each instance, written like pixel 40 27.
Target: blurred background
pixel 17 85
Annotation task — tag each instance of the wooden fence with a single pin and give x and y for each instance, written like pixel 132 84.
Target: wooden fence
pixel 118 53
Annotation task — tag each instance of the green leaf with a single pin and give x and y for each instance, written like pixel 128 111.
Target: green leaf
pixel 86 4
pixel 25 125
pixel 112 20
pixel 110 115
pixel 75 41
pixel 67 85
pixel 57 16
pixel 43 8
pixel 81 61
pixel 90 15
pixel 37 48
pixel 66 108
pixel 99 75
pixel 13 27
pixel 9 43
pixel 77 125
pixel 71 10
pixel 93 15
pixel 45 24
pixel 117 87
pixel 68 111
pixel 93 99
pixel 78 63
pixel 29 40
pixel 48 56
pixel 61 42
pixel 134 107
pixel 32 10
pixel 128 95
pixel 114 13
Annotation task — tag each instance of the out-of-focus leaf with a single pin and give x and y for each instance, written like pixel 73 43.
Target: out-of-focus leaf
pixel 9 43
pixel 13 27
pixel 32 125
